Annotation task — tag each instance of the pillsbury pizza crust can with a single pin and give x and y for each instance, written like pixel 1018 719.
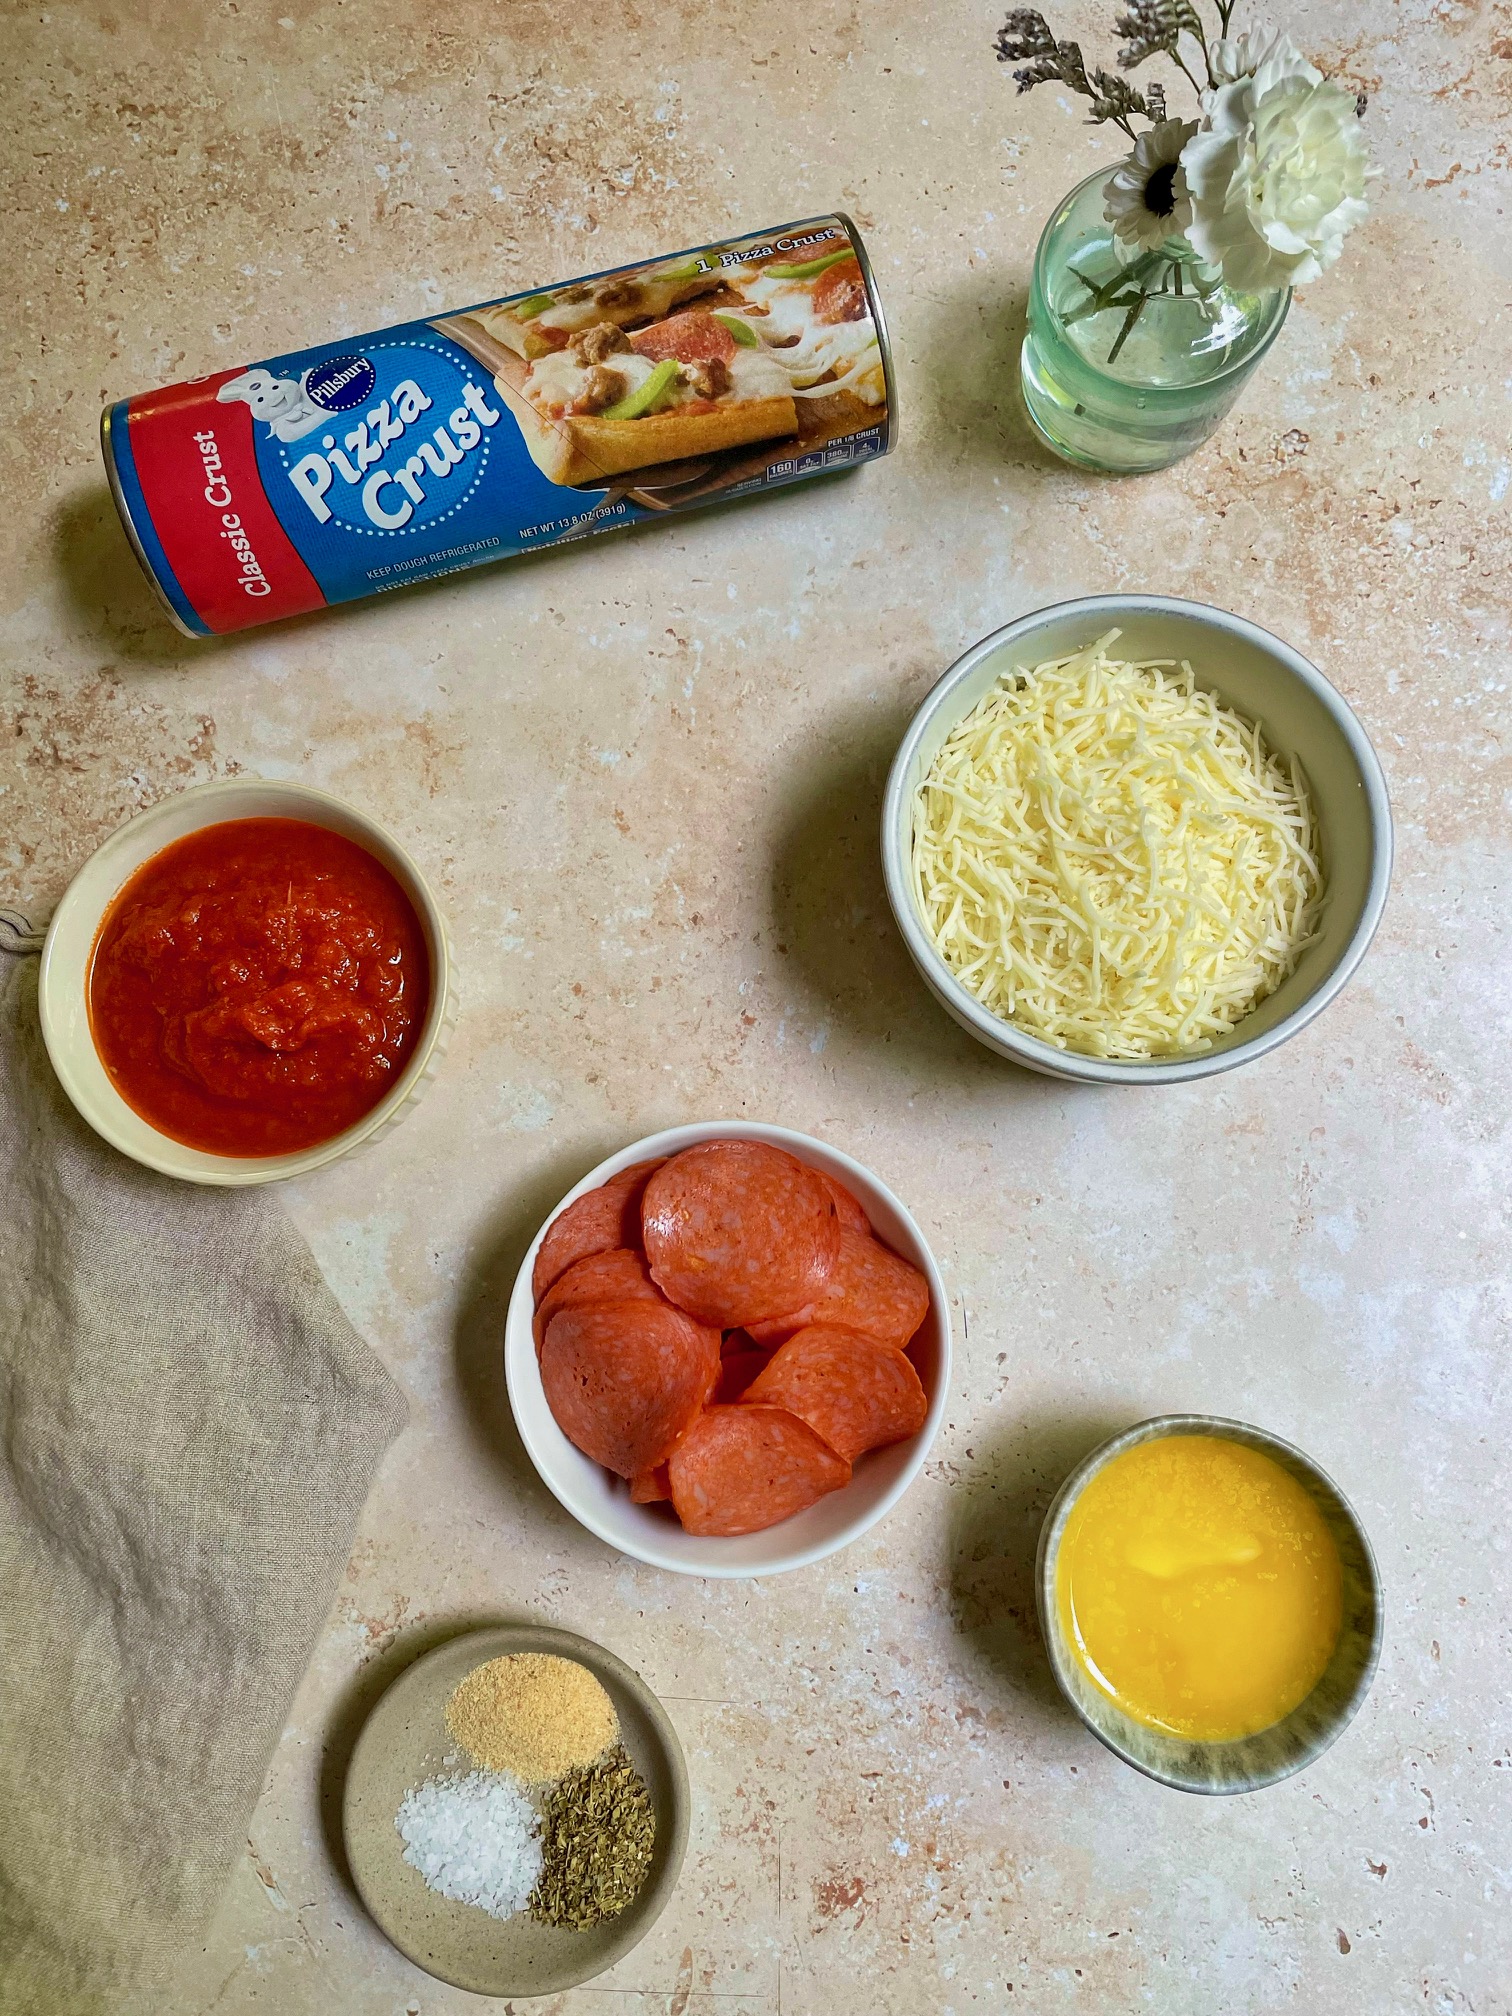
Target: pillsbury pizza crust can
pixel 339 472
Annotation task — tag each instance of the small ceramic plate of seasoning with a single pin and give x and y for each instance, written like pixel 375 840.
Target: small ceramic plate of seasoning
pixel 544 1794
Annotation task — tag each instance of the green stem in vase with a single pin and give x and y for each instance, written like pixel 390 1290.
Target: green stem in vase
pixel 1129 320
pixel 1107 295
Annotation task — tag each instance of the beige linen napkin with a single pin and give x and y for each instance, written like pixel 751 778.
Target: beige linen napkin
pixel 188 1428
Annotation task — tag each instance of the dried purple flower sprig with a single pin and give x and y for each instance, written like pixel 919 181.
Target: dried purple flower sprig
pixel 1155 28
pixel 1025 38
pixel 1146 28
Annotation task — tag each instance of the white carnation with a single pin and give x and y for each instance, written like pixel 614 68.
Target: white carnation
pixel 1277 172
pixel 1241 55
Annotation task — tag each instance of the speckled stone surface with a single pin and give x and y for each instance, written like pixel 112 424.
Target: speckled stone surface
pixel 645 776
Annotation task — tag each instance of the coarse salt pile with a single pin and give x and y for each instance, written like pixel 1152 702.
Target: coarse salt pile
pixel 475 1838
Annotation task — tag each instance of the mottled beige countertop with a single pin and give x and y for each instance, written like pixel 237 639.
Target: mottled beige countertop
pixel 645 776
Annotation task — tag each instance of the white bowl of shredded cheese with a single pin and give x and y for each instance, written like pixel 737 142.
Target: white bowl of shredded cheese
pixel 1130 840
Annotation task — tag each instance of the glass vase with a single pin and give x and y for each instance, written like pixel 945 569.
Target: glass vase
pixel 1130 362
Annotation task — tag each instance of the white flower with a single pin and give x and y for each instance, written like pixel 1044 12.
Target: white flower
pixel 1242 55
pixel 1277 173
pixel 1147 200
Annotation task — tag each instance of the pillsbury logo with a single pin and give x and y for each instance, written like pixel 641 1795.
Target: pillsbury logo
pixel 341 383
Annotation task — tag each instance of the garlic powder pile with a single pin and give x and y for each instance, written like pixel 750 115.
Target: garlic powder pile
pixel 1112 860
pixel 532 1714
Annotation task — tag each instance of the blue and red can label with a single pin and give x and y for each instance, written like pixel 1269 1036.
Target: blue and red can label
pixel 339 472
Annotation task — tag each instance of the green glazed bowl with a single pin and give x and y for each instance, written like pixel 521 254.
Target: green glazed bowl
pixel 1250 1762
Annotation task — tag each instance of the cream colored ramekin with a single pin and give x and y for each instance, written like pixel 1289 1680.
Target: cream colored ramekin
pixel 69 949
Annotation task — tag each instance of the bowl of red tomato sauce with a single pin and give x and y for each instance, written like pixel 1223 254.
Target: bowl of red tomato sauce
pixel 246 982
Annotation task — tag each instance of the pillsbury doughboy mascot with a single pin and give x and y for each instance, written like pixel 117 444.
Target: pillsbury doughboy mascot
pixel 281 403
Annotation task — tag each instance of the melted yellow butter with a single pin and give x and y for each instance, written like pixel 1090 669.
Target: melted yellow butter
pixel 1200 1586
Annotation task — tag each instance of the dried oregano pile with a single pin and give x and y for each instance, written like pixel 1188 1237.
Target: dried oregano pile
pixel 598 1832
pixel 555 1819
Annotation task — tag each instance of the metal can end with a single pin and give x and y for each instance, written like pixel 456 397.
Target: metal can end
pixel 113 476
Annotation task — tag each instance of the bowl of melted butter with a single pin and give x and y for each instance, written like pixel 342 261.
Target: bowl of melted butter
pixel 1210 1603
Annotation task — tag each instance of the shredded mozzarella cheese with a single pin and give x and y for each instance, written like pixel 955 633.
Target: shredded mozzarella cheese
pixel 1109 858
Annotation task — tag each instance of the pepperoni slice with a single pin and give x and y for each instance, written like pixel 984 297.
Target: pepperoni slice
pixel 767 1336
pixel 651 1487
pixel 594 1223
pixel 740 1469
pixel 840 293
pixel 624 1379
pixel 847 1209
pixel 872 1289
pixel 694 337
pixel 737 1369
pixel 854 1392
pixel 869 1289
pixel 620 1275
pixel 736 1232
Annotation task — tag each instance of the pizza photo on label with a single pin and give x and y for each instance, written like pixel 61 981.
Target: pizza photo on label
pixel 543 323
pixel 611 400
pixel 667 381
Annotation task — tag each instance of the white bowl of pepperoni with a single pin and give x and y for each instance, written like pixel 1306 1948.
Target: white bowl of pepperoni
pixel 728 1350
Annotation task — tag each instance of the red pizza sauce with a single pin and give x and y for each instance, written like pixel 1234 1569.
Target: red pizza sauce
pixel 258 986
